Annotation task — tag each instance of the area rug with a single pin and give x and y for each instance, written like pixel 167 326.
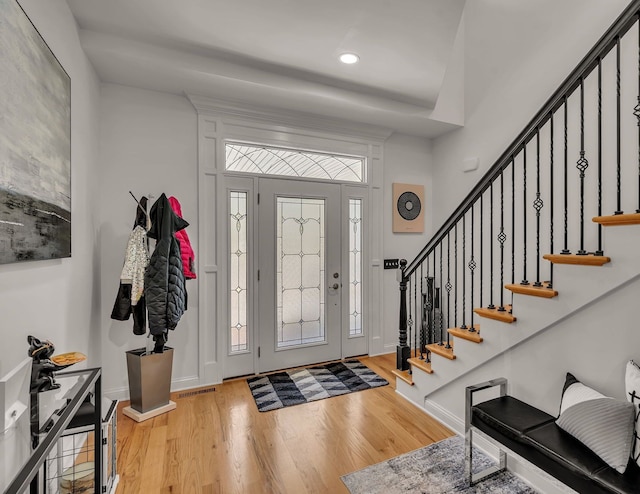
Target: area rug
pixel 435 469
pixel 294 387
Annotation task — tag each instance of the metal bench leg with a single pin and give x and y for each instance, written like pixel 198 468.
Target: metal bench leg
pixel 468 435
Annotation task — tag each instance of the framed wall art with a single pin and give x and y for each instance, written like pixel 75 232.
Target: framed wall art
pixel 35 143
pixel 408 208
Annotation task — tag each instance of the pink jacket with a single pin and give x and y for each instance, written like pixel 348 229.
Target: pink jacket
pixel 188 257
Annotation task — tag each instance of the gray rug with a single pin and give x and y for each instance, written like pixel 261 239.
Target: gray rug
pixel 435 469
pixel 294 387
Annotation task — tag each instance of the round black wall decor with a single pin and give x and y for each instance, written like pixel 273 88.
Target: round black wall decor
pixel 409 206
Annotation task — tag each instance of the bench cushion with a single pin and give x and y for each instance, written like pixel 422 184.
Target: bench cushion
pixel 508 416
pixel 534 435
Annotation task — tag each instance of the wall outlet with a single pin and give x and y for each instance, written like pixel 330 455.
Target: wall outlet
pixel 391 263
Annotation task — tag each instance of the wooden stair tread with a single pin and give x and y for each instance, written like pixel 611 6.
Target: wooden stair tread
pixel 421 364
pixel 465 334
pixel 403 375
pixel 442 350
pixel 586 260
pixel 504 316
pixel 618 219
pixel 536 291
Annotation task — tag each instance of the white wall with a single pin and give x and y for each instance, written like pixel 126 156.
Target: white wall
pixel 508 77
pixel 148 145
pixel 406 160
pixel 59 299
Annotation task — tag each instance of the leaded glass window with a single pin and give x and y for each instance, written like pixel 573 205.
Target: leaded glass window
pixel 238 271
pixel 300 271
pixel 266 160
pixel 355 267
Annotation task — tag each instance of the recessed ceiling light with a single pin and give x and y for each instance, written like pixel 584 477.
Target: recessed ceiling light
pixel 349 58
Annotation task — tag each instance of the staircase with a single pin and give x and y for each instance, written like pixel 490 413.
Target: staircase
pixel 505 266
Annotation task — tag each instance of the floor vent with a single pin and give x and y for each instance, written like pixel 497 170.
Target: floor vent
pixel 196 392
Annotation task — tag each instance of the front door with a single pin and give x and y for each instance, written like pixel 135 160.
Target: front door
pixel 300 273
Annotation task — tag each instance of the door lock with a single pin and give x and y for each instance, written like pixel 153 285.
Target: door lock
pixel 336 275
pixel 335 286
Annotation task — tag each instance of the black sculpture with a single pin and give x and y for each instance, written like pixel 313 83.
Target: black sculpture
pixel 42 378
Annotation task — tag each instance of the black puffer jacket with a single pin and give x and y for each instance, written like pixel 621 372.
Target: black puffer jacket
pixel 164 279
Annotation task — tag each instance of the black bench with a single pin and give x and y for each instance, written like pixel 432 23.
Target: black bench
pixel 533 435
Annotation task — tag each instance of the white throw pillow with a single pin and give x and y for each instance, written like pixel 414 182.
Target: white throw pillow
pixel 632 387
pixel 602 424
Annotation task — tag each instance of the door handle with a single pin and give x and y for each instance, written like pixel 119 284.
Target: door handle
pixel 335 286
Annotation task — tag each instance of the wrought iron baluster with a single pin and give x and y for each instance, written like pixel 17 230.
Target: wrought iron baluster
pixel 455 276
pixel 418 312
pixel 513 221
pixel 410 323
pixel 423 328
pixel 491 305
pixel 464 271
pixel 566 180
pixel 524 216
pixel 636 112
pixel 618 150
pixel 441 322
pixel 448 285
pixel 472 266
pixel 537 205
pixel 432 293
pixel 481 247
pixel 582 166
pixel 501 237
pixel 600 252
pixel 551 181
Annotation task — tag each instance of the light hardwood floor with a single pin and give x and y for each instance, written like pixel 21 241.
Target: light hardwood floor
pixel 218 442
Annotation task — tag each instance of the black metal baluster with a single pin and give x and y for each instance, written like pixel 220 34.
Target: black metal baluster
pixel 448 285
pixel 582 165
pixel 551 181
pixel 491 305
pixel 481 247
pixel 429 325
pixel 433 292
pixel 455 277
pixel 418 323
pixel 423 328
pixel 566 180
pixel 410 323
pixel 464 271
pixel 618 151
pixel 636 112
pixel 403 351
pixel 600 252
pixel 524 216
pixel 472 267
pixel 441 322
pixel 513 221
pixel 423 319
pixel 501 237
pixel 537 205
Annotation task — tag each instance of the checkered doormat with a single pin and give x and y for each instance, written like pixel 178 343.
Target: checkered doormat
pixel 298 386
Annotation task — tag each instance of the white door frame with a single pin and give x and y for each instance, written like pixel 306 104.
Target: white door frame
pixel 219 121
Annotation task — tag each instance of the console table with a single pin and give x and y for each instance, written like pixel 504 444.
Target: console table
pixel 23 453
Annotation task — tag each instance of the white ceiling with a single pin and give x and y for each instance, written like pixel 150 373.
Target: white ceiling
pixel 284 53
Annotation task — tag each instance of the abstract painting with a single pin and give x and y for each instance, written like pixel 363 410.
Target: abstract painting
pixel 35 144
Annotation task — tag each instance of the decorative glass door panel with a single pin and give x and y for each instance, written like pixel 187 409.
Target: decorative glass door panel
pixel 300 283
pixel 300 271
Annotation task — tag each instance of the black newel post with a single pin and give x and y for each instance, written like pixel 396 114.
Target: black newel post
pixel 403 351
